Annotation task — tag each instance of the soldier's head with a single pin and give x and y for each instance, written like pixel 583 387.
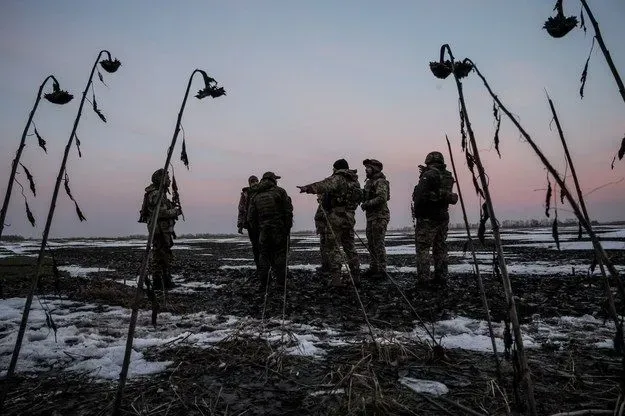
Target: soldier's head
pixel 270 176
pixel 372 166
pixel 434 158
pixel 340 164
pixel 252 180
pixel 158 175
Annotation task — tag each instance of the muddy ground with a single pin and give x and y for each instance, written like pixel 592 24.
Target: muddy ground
pixel 248 376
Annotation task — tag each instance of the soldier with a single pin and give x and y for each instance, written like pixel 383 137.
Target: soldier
pixel 271 213
pixel 321 227
pixel 340 195
pixel 164 234
pixel 431 198
pixel 244 204
pixel 376 195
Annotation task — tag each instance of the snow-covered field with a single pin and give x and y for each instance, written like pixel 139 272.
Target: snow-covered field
pixel 91 337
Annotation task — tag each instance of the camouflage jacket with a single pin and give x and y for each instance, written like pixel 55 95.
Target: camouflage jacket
pixel 376 196
pixel 340 195
pixel 432 195
pixel 270 206
pixel 244 205
pixel 167 214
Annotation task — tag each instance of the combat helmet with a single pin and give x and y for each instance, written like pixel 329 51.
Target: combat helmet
pixel 434 157
pixel 158 175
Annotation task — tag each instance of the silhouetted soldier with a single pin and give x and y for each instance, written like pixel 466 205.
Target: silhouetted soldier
pixel 431 198
pixel 244 205
pixel 164 234
pixel 375 204
pixel 341 195
pixel 271 213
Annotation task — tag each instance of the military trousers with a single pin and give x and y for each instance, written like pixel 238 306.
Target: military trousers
pixel 161 259
pixel 336 238
pixel 431 234
pixel 254 237
pixel 376 233
pixel 273 249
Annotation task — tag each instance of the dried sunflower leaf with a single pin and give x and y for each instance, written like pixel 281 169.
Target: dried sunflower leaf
pixel 81 217
pixel 97 110
pixel 478 190
pixel 183 155
pixel 496 139
pixel 31 181
pixel 585 71
pixel 67 190
pixel 582 23
pixel 562 195
pixel 42 143
pixel 78 144
pixel 548 199
pixel 463 132
pixel 621 150
pixel 29 214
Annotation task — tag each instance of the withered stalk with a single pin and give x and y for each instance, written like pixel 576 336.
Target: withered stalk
pixel 478 276
pixel 568 195
pixel 148 247
pixel 18 154
pixel 516 327
pixel 604 49
pixel 46 231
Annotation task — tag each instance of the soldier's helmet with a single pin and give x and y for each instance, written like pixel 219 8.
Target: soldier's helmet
pixel 158 175
pixel 271 176
pixel 434 157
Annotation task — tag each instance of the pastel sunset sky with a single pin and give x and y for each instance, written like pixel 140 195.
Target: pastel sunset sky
pixel 308 82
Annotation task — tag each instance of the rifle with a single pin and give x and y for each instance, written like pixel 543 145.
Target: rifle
pixel 175 196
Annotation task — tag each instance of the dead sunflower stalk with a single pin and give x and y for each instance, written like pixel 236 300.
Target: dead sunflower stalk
pixel 57 96
pixel 210 90
pixel 560 25
pixel 525 375
pixel 46 231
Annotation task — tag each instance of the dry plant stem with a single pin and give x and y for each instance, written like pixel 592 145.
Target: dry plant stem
pixel 477 268
pixel 516 327
pixel 576 209
pixel 604 49
pixel 18 154
pixel 336 242
pixel 46 230
pixel 144 263
pixel 403 295
pixel 582 205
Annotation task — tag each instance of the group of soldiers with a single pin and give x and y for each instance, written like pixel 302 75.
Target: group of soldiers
pixel 265 210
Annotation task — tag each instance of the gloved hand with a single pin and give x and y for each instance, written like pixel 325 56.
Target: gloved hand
pixel 305 189
pixel 240 230
pixel 365 205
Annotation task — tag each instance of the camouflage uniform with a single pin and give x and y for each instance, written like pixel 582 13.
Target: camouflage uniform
pixel 375 203
pixel 244 204
pixel 271 213
pixel 431 198
pixel 164 234
pixel 341 194
pixel 321 227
